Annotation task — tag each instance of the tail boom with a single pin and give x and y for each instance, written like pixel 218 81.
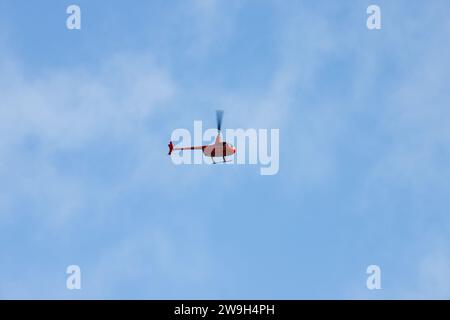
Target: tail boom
pixel 171 148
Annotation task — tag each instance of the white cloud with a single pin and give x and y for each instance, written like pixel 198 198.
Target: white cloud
pixel 42 116
pixel 434 275
pixel 212 24
pixel 158 264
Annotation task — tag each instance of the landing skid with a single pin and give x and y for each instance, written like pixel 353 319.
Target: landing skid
pixel 216 162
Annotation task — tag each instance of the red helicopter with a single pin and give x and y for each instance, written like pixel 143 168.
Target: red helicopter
pixel 218 149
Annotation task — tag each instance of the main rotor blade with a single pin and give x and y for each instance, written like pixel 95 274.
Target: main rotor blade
pixel 219 116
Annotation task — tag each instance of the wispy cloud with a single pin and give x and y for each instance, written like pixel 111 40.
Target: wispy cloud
pixel 68 113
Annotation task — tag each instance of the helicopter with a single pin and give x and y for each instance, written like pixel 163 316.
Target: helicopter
pixel 218 149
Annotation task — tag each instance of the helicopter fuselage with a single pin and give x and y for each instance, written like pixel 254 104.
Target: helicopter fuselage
pixel 221 149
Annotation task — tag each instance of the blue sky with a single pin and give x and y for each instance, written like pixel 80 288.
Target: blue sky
pixel 85 117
